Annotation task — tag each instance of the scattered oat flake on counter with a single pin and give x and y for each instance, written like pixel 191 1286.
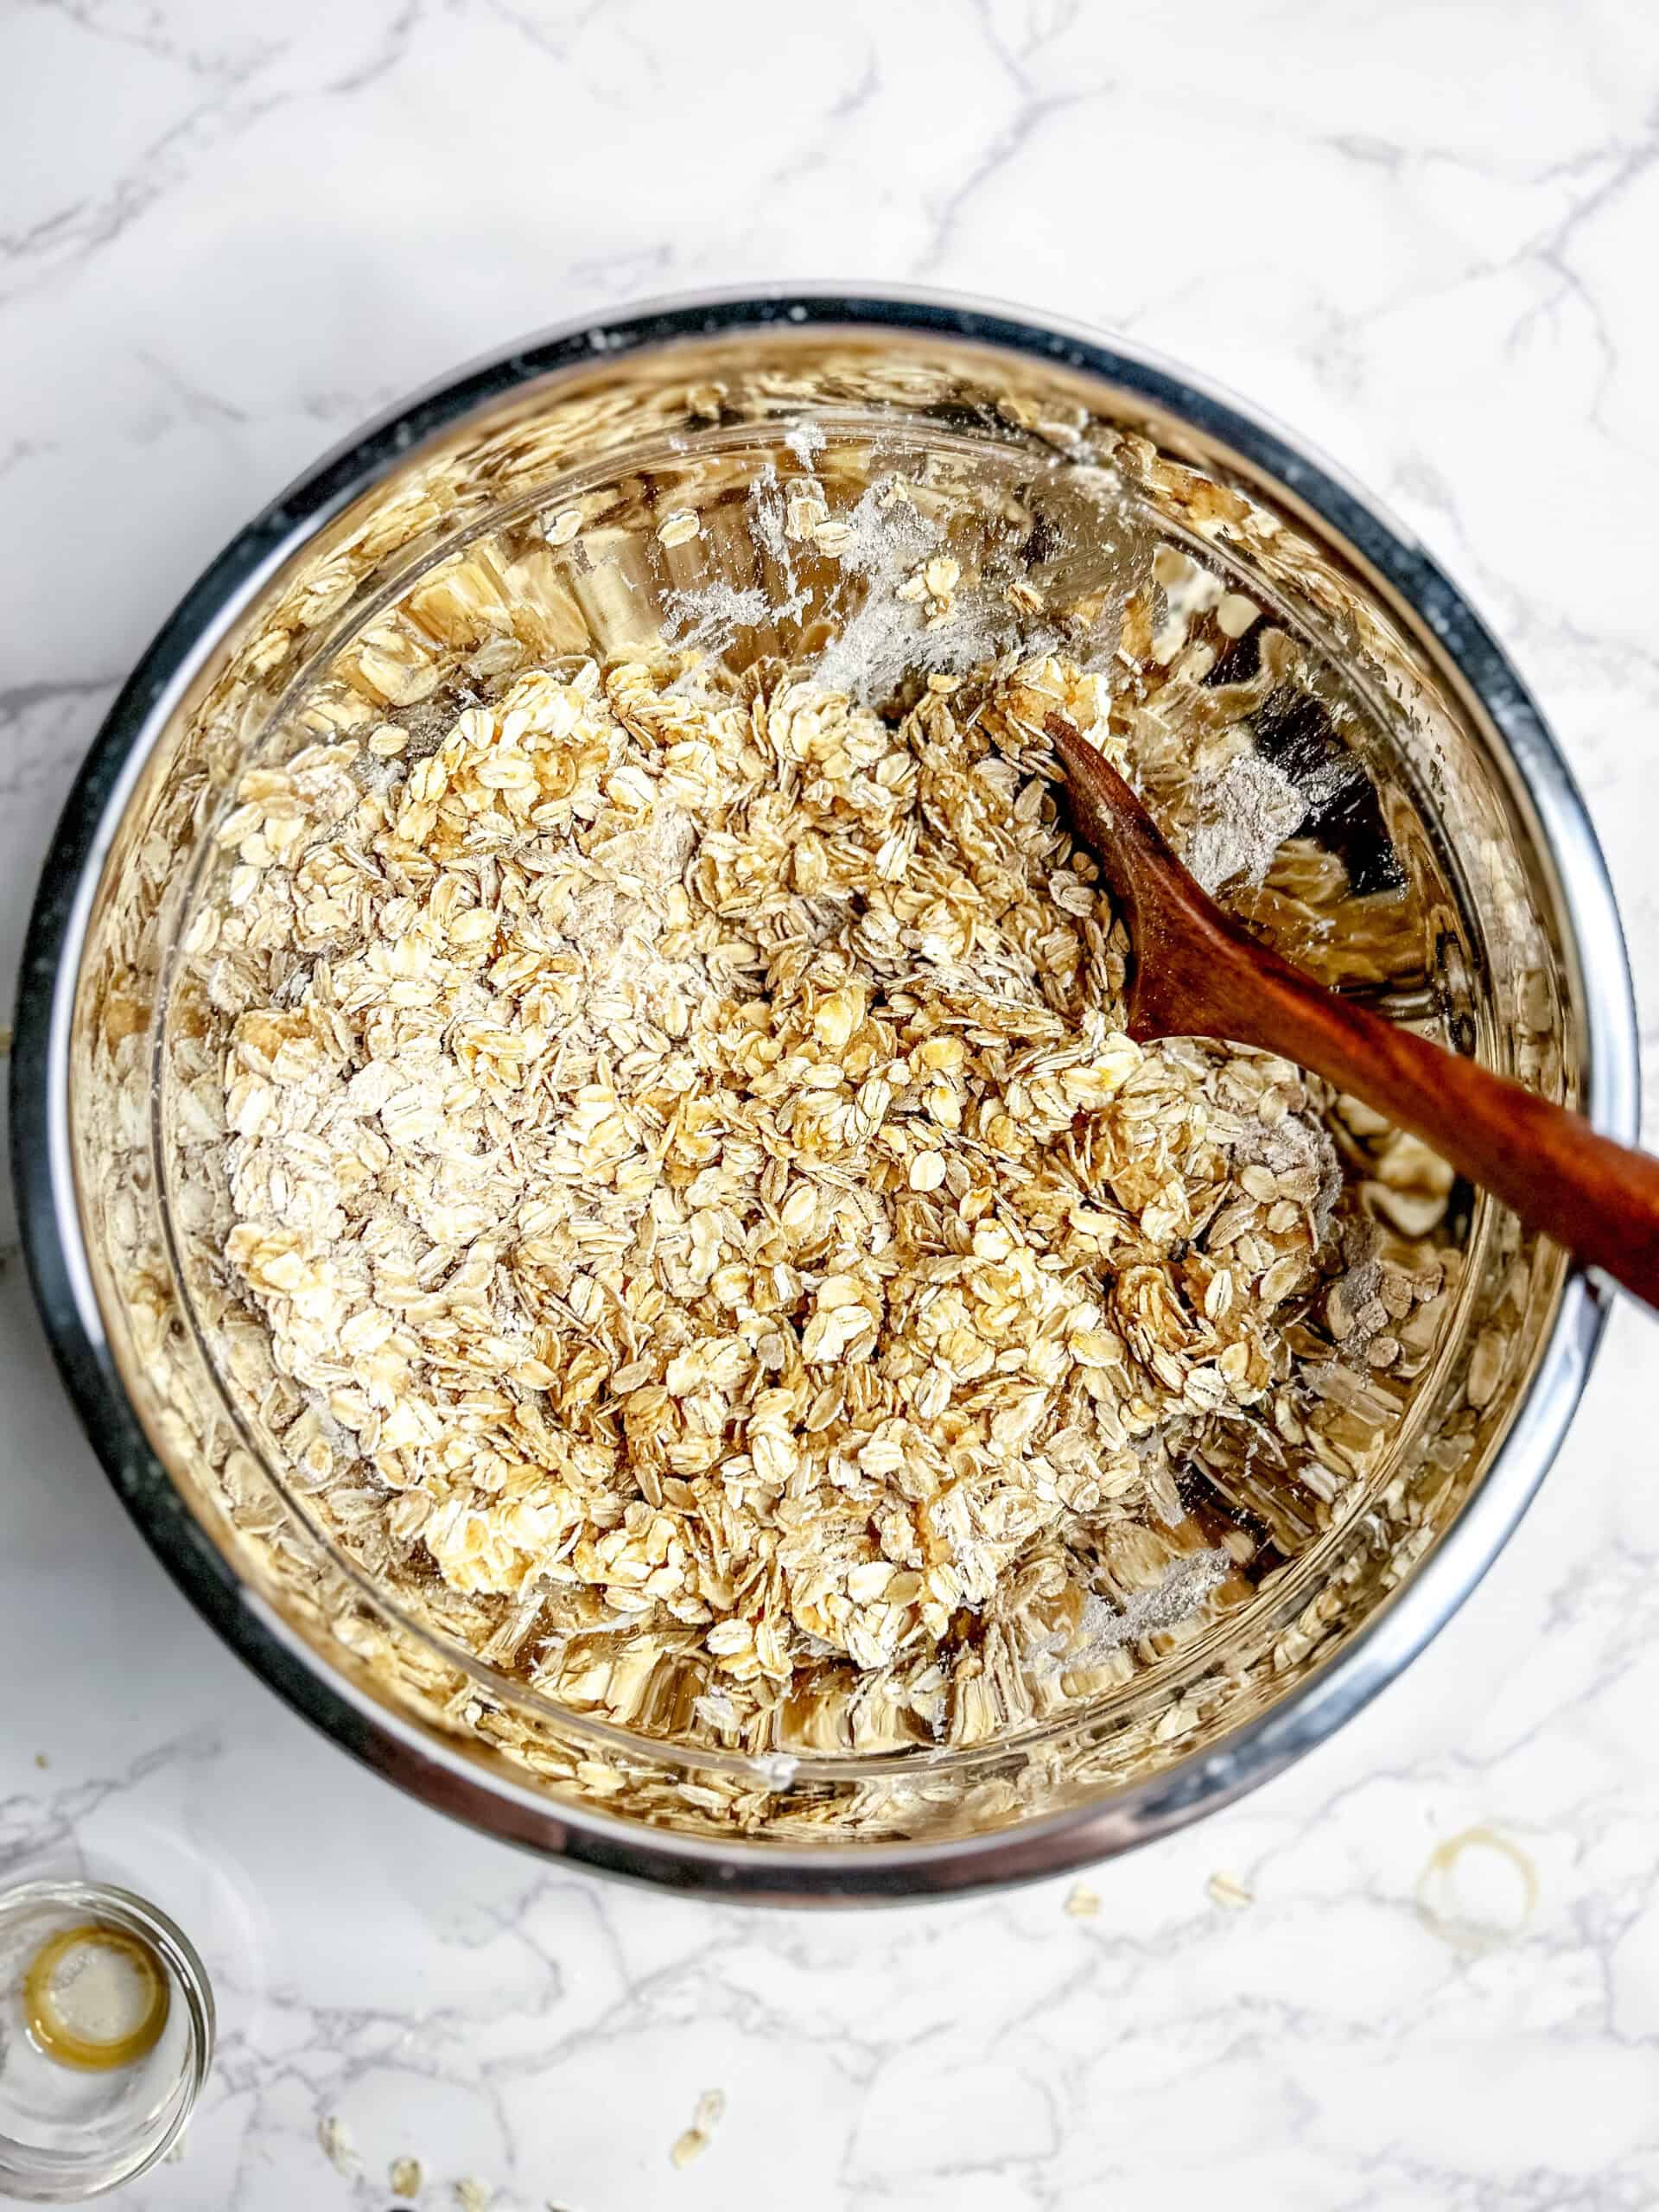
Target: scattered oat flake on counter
pixel 697 2138
pixel 1084 1903
pixel 336 2141
pixel 473 2195
pixel 405 2176
pixel 1226 1890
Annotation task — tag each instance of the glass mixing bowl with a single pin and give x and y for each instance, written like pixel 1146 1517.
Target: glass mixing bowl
pixel 517 517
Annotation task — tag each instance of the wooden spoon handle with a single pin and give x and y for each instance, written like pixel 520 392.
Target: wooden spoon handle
pixel 1598 1198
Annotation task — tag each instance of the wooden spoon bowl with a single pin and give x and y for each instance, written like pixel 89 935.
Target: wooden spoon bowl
pixel 1198 973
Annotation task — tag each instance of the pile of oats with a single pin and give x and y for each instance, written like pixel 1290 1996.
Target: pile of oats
pixel 684 1142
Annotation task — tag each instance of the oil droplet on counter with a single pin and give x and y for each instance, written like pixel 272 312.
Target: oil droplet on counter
pixel 1477 1891
pixel 95 1996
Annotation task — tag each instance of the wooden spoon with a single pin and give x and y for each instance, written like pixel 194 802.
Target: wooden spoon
pixel 1197 973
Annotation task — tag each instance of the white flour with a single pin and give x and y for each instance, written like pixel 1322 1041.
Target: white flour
pixel 879 545
pixel 1105 1628
pixel 1244 817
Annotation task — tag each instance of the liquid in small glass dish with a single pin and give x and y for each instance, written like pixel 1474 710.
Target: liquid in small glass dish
pixel 107 2032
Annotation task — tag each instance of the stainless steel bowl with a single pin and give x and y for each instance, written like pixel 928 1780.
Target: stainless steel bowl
pixel 1521 962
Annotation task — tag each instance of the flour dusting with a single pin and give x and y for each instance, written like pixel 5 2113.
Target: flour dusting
pixel 709 617
pixel 1105 1628
pixel 1244 817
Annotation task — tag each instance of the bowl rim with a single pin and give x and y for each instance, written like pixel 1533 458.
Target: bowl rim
pixel 466 1783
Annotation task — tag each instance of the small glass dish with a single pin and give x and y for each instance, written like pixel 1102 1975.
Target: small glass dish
pixel 126 2001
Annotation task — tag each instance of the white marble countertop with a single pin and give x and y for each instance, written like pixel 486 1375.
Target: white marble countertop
pixel 1417 233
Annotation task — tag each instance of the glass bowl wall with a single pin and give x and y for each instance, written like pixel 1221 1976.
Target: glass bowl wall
pixel 514 519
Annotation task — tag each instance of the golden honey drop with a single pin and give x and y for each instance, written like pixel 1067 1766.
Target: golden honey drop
pixel 95 1996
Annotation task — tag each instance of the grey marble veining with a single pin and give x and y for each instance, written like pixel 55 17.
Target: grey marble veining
pixel 1423 234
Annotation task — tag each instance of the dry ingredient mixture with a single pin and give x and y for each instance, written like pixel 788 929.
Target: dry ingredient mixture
pixel 682 1141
